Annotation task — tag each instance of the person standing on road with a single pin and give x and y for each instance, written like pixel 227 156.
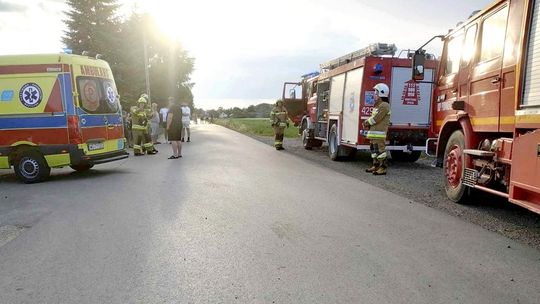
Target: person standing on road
pixel 174 128
pixel 377 126
pixel 126 118
pixel 155 124
pixel 139 118
pixel 163 117
pixel 279 119
pixel 186 119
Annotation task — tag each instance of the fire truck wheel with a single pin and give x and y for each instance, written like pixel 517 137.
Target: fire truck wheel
pixel 82 167
pixel 31 167
pixel 333 144
pixel 401 156
pixel 453 167
pixel 315 143
pixel 306 141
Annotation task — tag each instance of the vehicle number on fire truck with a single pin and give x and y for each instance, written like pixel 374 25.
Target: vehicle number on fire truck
pixel 366 111
pixel 96 146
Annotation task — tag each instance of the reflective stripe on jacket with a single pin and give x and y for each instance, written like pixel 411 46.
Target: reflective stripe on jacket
pixel 279 116
pixel 379 120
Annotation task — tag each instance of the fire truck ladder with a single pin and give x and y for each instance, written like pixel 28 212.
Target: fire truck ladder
pixel 374 49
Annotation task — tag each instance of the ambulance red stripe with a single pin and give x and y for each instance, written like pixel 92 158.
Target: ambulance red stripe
pixel 55 100
pixel 99 132
pixel 36 136
pixel 116 132
pixel 33 68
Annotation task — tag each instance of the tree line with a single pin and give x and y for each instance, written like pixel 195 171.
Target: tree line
pixel 261 110
pixel 94 26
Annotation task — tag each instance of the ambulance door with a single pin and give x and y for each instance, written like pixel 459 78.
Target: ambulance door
pixel 93 113
pixel 115 127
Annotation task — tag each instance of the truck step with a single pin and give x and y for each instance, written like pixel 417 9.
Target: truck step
pixel 480 153
pixel 470 177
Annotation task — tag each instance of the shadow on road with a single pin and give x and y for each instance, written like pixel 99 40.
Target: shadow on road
pixel 421 182
pixel 10 178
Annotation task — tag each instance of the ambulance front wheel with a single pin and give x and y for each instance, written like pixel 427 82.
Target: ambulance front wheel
pixel 31 167
pixel 81 167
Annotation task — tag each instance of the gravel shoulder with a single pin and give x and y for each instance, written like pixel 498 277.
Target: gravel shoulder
pixel 420 182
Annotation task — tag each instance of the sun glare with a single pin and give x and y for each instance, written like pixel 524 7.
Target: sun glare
pixel 236 27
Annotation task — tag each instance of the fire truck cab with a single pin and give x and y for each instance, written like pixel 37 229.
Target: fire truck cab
pixel 486 104
pixel 330 106
pixel 58 110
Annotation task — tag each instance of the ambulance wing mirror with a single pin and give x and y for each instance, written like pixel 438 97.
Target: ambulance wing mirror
pixel 419 59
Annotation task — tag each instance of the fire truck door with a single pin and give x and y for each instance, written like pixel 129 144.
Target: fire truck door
pixel 485 85
pixel 469 47
pixel 293 98
pixel 448 83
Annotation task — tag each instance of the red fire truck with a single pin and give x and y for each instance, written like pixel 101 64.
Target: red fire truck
pixel 330 106
pixel 486 104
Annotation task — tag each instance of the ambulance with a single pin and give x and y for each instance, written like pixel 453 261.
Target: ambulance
pixel 58 110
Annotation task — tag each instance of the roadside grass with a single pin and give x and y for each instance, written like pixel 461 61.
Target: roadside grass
pixel 255 126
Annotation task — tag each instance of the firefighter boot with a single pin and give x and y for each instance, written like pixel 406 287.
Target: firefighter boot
pixel 374 167
pixel 382 169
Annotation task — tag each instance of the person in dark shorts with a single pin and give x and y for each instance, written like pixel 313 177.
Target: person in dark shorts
pixel 174 129
pixel 163 117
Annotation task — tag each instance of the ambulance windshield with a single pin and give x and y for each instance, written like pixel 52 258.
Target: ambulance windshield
pixel 97 95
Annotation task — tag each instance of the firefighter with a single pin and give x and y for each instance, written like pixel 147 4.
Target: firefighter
pixel 377 126
pixel 139 128
pixel 279 119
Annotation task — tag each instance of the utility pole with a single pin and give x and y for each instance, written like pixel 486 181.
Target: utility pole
pixel 146 62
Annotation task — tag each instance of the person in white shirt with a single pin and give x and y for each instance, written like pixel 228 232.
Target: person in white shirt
pixel 154 123
pixel 163 117
pixel 186 118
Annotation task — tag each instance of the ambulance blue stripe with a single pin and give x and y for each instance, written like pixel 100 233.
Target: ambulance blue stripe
pixel 98 121
pixel 9 123
pixel 67 93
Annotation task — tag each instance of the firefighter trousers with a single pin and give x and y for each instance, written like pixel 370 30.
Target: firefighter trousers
pixel 278 139
pixel 142 142
pixel 378 150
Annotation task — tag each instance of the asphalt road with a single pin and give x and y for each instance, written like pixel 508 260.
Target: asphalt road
pixel 235 221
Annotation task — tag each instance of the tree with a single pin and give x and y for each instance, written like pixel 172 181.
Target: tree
pixel 93 26
pixel 170 66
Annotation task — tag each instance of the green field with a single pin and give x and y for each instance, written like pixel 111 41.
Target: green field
pixel 255 126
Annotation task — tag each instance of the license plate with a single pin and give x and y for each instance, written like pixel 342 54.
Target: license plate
pixel 96 146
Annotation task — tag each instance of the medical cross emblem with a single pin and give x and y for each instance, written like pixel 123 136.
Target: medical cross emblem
pixel 30 95
pixel 111 96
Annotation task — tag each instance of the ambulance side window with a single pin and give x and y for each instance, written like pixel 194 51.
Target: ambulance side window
pixel 97 96
pixel 111 96
pixel 90 94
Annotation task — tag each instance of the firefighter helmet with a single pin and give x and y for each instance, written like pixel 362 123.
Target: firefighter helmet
pixel 141 100
pixel 145 96
pixel 382 89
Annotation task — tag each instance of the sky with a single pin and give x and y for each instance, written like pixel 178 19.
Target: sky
pixel 245 50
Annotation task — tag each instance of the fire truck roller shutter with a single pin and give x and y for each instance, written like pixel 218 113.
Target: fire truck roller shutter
pixel 410 101
pixel 531 89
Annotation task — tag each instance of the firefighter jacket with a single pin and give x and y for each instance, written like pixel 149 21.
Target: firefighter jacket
pixel 279 116
pixel 379 121
pixel 139 120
